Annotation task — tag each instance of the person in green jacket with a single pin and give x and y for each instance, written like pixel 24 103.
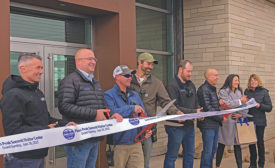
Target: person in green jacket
pixel 152 93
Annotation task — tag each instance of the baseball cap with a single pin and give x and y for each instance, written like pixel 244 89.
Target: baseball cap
pixel 123 70
pixel 147 57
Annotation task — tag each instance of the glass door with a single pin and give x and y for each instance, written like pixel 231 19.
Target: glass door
pixel 18 48
pixel 59 63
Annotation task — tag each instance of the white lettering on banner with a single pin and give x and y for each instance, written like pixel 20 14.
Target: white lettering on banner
pixel 64 135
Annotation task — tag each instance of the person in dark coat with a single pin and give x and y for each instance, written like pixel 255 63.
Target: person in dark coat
pixel 80 99
pixel 24 109
pixel 183 90
pixel 256 90
pixel 209 127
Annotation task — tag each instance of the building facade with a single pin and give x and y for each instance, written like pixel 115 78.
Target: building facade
pixel 233 36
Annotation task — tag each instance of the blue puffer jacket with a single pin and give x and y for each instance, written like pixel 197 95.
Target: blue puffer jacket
pixel 125 106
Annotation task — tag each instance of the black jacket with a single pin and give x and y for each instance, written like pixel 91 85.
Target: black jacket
pixel 24 109
pixel 208 99
pixel 79 99
pixel 261 96
pixel 186 98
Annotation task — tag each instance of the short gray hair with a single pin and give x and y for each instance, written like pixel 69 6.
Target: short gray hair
pixel 27 57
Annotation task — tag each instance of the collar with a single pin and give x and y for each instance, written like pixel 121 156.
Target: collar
pixel 122 94
pixel 147 80
pixel 90 77
pixel 180 83
pixel 209 85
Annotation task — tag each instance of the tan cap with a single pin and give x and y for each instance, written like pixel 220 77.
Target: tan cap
pixel 147 57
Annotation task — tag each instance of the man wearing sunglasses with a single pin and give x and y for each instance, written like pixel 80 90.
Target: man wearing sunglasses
pixel 152 93
pixel 80 99
pixel 126 102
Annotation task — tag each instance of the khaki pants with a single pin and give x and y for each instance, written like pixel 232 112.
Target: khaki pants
pixel 129 156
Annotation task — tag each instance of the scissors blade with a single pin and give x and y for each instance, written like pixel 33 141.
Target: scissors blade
pixel 165 108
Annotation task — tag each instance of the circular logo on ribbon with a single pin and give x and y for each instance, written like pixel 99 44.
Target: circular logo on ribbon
pixel 134 121
pixel 68 133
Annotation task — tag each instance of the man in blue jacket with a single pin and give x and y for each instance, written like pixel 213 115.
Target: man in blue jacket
pixel 126 102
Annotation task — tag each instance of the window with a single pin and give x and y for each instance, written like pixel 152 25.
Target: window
pixel 155 34
pixel 45 26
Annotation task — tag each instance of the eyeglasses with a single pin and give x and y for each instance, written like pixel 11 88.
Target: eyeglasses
pixel 90 59
pixel 127 75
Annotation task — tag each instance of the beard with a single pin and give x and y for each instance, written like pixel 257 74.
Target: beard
pixel 147 71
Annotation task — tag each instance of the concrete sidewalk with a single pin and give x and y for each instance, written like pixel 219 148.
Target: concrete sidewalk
pixel 228 162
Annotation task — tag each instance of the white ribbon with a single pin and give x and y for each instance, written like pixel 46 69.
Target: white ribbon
pixel 69 134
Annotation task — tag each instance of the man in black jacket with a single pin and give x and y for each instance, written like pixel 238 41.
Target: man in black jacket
pixel 183 90
pixel 209 127
pixel 81 100
pixel 24 109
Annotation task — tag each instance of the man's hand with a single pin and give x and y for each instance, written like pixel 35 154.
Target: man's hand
pixel 244 99
pixel 179 112
pixel 222 102
pixel 224 120
pixel 258 105
pixel 117 116
pixel 148 133
pixel 71 124
pixel 100 114
pixel 198 111
pixel 53 125
pixel 138 109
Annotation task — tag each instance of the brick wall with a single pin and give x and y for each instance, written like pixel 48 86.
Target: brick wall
pixel 252 45
pixel 206 41
pixel 233 36
pixel 206 38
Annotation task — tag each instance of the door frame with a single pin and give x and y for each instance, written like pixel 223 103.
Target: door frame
pixel 46 49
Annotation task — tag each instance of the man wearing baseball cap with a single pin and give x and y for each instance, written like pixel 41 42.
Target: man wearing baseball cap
pixel 152 93
pixel 126 102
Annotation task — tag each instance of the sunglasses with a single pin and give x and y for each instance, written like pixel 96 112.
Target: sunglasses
pixel 127 75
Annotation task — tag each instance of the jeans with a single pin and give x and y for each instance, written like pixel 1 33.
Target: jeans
pixel 147 146
pixel 237 152
pixel 261 148
pixel 210 145
pixel 177 137
pixel 82 155
pixel 13 162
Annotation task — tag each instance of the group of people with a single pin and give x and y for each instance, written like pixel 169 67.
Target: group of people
pixel 135 93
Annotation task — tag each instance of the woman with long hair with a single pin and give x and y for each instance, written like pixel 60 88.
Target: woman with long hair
pixel 256 90
pixel 231 93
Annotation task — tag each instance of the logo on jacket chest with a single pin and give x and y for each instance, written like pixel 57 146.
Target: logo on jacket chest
pixel 85 87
